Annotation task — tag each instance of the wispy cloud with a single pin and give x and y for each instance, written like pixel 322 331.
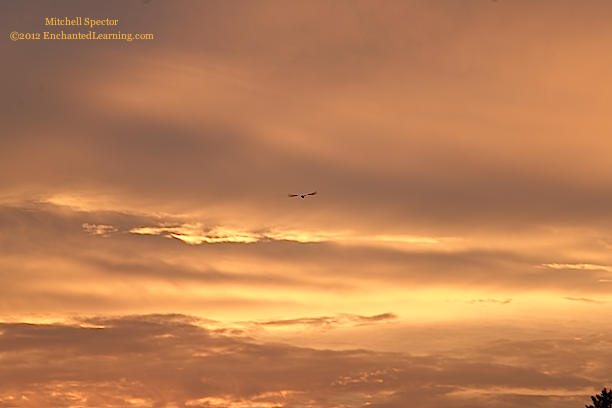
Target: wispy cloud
pixel 285 234
pixel 585 300
pixel 197 233
pixel 476 301
pixel 328 322
pixel 401 239
pixel 578 266
pixel 100 229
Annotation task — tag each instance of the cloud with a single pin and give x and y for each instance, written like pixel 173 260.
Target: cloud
pixel 197 234
pixel 194 234
pixel 100 229
pixel 329 322
pixel 284 234
pixel 578 266
pixel 189 123
pixel 164 360
pixel 442 140
pixel 475 301
pixel 339 268
pixel 582 299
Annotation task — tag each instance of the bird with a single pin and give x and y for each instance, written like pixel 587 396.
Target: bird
pixel 301 195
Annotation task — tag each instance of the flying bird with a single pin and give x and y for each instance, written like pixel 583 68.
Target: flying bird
pixel 301 195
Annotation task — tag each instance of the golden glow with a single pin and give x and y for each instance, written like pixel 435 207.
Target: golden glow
pixel 457 252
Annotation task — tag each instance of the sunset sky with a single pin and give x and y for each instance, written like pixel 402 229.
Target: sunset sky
pixel 458 252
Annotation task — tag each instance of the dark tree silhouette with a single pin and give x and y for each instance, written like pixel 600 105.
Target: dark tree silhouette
pixel 602 401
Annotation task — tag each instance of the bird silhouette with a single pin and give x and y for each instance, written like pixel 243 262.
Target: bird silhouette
pixel 301 195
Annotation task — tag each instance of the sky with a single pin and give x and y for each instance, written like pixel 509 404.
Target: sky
pixel 457 253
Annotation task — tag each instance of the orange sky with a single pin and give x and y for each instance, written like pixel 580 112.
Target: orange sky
pixel 457 253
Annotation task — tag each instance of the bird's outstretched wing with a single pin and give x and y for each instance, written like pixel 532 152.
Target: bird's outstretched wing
pixel 301 195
